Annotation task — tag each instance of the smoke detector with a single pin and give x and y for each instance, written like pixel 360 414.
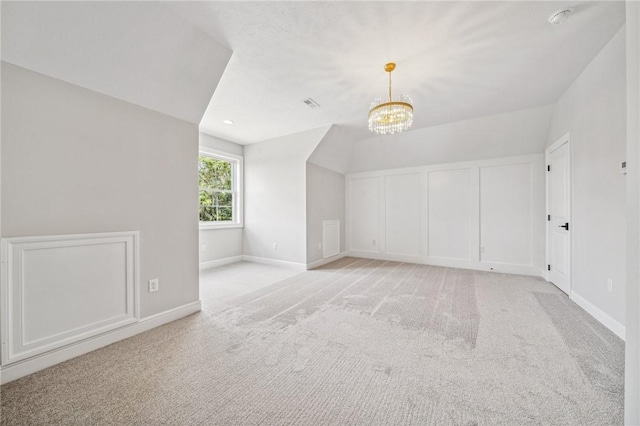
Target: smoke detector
pixel 560 16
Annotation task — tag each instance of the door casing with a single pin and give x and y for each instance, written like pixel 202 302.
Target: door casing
pixel 566 139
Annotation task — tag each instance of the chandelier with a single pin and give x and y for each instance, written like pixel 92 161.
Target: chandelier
pixel 394 116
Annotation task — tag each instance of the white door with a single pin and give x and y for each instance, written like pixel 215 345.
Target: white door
pixel 558 214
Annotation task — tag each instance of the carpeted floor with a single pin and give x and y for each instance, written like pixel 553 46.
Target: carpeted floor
pixel 355 342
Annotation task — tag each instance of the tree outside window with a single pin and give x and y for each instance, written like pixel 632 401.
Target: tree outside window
pixel 216 187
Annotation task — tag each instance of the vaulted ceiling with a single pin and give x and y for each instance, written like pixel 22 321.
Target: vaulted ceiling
pixel 457 60
pixel 140 52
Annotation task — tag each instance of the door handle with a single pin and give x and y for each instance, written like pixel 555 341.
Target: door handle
pixel 565 226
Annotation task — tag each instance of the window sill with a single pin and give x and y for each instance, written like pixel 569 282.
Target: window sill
pixel 207 226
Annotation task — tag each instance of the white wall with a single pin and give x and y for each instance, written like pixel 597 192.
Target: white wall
pixel 511 134
pixel 275 196
pixel 139 52
pixel 486 215
pixel 335 150
pixel 593 111
pixel 220 144
pixel 75 161
pixel 325 201
pixel 220 243
pixel 632 341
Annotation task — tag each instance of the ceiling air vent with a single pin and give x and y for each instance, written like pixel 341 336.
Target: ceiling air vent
pixel 311 103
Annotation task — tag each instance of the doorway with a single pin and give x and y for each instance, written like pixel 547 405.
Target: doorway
pixel 558 160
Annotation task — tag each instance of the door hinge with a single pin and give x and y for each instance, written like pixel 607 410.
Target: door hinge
pixel 548 267
pixel 549 168
pixel 549 217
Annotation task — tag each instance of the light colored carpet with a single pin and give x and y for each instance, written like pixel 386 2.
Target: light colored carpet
pixel 355 342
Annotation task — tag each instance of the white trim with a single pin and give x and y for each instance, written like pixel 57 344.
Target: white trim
pixel 219 262
pixel 266 261
pixel 501 161
pixel 557 144
pixel 503 268
pixel 217 153
pixel 565 139
pixel 598 314
pixel 237 162
pixel 40 362
pixel 15 346
pixel 534 268
pixel 325 261
pixel 205 226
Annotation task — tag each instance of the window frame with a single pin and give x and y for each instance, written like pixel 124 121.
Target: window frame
pixel 236 185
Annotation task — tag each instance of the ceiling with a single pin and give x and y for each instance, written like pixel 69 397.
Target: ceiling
pixel 139 52
pixel 457 60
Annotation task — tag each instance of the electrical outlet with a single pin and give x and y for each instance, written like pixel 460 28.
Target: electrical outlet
pixel 610 285
pixel 275 246
pixel 154 285
pixel 373 242
pixel 319 246
pixel 203 248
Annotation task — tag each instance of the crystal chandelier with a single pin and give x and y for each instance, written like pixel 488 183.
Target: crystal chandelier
pixel 394 116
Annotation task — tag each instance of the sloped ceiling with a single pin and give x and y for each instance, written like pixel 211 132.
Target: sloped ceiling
pixel 334 150
pixel 140 52
pixel 458 60
pixel 508 134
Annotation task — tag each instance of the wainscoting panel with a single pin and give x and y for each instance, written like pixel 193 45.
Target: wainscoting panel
pixel 506 213
pixel 486 215
pixel 449 211
pixel 402 218
pixel 58 290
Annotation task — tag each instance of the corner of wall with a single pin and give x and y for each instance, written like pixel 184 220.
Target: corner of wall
pixel 632 324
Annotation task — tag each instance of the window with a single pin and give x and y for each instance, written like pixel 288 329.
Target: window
pixel 220 189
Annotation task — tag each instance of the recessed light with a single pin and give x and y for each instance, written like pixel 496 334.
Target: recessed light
pixel 228 121
pixel 560 16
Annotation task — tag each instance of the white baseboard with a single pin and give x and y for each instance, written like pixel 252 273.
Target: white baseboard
pixel 386 256
pixel 451 263
pixel 219 262
pixel 23 368
pixel 321 262
pixel 266 261
pixel 598 314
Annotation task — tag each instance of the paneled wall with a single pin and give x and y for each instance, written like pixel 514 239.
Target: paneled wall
pixel 79 162
pixel 59 290
pixel 486 215
pixel 76 162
